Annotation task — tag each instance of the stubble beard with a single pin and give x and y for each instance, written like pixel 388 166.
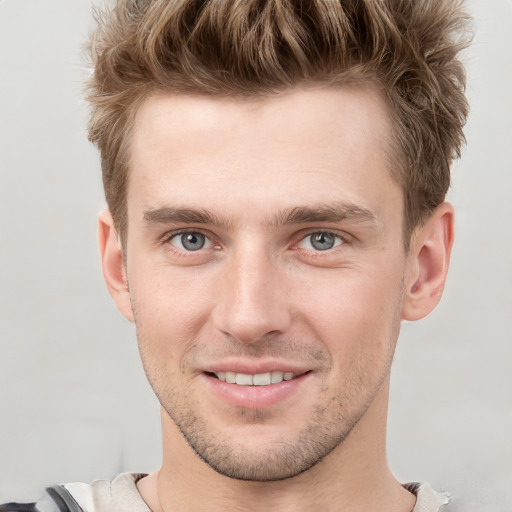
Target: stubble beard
pixel 278 459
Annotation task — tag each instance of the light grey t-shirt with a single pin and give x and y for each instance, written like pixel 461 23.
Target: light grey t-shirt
pixel 121 495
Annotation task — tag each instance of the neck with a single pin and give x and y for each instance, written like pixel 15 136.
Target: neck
pixel 354 476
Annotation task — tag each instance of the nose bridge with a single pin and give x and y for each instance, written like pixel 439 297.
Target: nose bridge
pixel 252 302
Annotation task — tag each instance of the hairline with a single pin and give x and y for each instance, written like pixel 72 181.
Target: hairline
pixel 395 158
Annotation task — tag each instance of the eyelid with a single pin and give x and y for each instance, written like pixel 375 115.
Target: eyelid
pixel 338 241
pixel 302 235
pixel 169 235
pixel 342 235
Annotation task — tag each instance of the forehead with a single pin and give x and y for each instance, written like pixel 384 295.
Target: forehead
pixel 353 115
pixel 298 146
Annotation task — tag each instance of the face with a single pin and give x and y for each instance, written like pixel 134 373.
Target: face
pixel 265 265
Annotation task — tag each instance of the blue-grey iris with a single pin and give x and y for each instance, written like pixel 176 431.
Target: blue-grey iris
pixel 322 241
pixel 193 241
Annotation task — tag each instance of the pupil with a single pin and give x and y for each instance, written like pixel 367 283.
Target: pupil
pixel 192 241
pixel 322 241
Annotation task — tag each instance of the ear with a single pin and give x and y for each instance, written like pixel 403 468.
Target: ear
pixel 112 263
pixel 428 261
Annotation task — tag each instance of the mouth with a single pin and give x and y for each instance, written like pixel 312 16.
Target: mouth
pixel 258 390
pixel 258 379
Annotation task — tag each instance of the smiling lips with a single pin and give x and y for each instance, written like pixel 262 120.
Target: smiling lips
pixel 258 379
pixel 255 390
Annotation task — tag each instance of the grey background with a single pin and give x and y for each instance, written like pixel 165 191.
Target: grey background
pixel 74 403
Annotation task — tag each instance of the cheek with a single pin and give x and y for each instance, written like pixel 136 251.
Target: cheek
pixel 355 312
pixel 169 308
pixel 361 294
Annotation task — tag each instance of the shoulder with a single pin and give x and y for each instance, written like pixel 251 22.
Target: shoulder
pixel 55 499
pixel 117 495
pixel 428 499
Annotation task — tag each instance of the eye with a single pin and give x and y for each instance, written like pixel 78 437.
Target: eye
pixel 321 241
pixel 190 241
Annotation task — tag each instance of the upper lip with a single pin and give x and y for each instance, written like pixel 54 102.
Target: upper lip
pixel 253 368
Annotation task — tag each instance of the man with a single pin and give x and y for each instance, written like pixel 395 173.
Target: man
pixel 275 174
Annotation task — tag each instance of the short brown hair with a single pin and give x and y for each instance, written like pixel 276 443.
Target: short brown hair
pixel 246 48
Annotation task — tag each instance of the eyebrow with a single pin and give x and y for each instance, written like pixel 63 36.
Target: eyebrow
pixel 296 215
pixel 168 215
pixel 325 213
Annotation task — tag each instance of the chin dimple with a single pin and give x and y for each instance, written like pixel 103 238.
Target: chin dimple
pixel 259 379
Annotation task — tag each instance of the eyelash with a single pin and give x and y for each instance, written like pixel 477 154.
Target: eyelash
pixel 341 236
pixel 166 240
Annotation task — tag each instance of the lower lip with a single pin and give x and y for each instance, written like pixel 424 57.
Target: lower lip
pixel 254 397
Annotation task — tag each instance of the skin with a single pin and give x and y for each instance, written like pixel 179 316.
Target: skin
pixel 257 179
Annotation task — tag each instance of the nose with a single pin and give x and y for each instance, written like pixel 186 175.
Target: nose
pixel 252 300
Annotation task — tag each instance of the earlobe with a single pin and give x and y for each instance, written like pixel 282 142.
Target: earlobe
pixel 428 261
pixel 113 264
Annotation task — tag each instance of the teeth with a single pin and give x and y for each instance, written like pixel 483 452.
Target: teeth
pixel 276 377
pixel 259 379
pixel 243 379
